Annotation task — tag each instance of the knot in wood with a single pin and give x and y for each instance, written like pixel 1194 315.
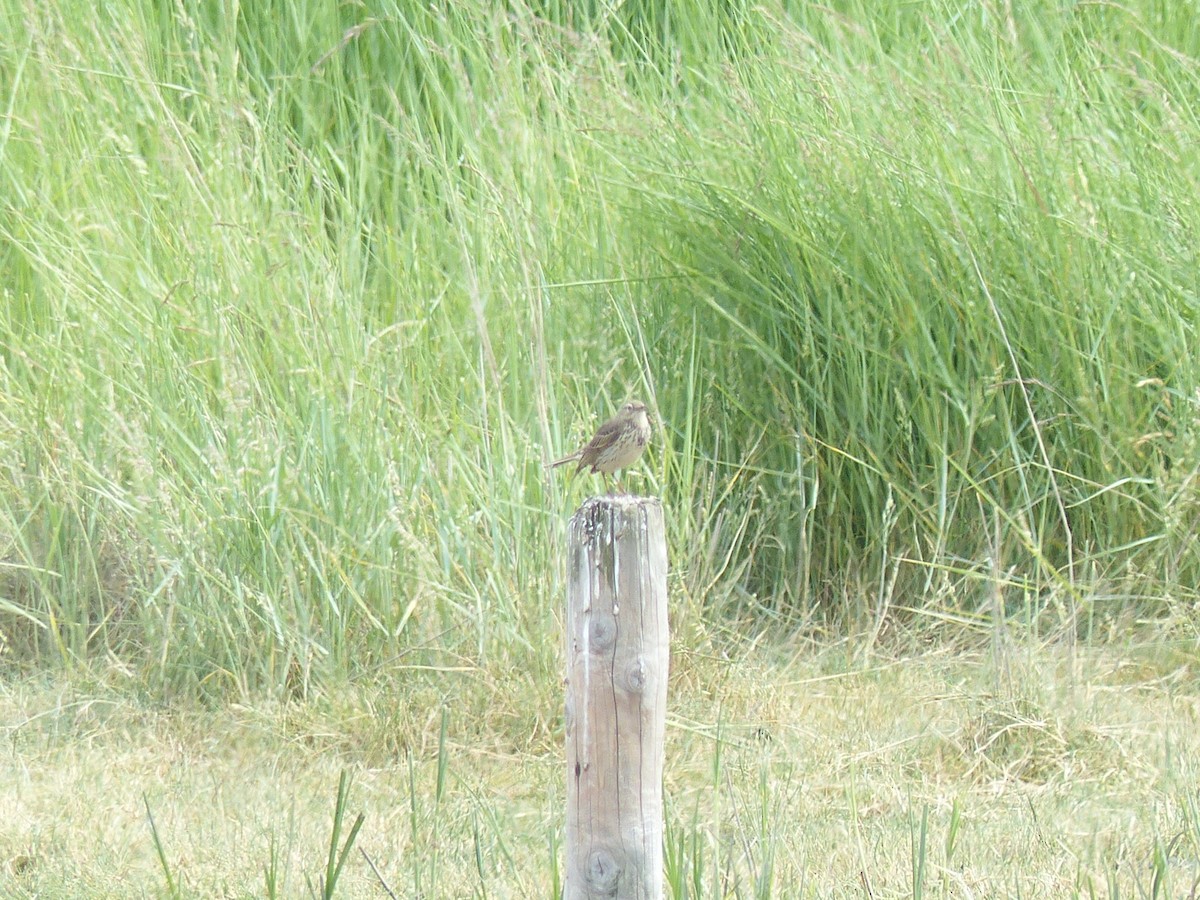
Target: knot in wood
pixel 603 872
pixel 602 633
pixel 636 675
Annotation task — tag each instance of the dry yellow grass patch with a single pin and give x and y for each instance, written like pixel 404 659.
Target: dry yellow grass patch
pixel 1043 773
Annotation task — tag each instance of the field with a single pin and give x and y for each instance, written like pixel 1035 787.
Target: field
pixel 939 773
pixel 296 301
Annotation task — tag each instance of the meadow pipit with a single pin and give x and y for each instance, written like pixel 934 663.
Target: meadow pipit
pixel 617 444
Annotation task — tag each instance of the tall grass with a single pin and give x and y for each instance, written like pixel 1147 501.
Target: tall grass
pixel 297 298
pixel 956 278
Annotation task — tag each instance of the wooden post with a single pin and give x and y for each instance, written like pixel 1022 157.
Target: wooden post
pixel 617 660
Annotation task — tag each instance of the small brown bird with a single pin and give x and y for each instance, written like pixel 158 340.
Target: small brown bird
pixel 617 443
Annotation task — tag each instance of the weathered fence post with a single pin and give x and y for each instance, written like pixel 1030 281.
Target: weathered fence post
pixel 617 661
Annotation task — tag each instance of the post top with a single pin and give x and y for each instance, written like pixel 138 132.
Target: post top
pixel 621 500
pixel 619 504
pixel 619 509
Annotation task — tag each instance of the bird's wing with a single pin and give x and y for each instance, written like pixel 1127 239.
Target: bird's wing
pixel 604 438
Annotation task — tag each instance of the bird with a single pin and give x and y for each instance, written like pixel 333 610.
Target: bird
pixel 617 443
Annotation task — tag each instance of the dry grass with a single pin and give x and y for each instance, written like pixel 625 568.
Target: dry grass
pixel 1039 773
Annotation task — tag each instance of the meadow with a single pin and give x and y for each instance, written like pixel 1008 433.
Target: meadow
pixel 297 299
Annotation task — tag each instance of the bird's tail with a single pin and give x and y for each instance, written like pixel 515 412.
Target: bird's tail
pixel 565 460
pixel 562 462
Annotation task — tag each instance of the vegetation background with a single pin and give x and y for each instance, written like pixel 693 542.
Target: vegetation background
pixel 297 298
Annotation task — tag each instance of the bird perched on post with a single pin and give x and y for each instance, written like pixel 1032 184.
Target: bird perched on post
pixel 617 443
